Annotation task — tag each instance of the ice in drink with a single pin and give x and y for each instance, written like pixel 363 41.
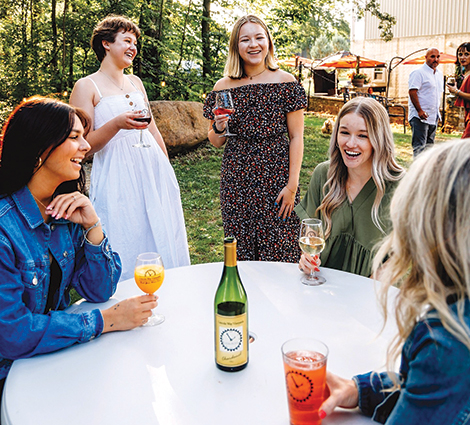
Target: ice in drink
pixel 305 374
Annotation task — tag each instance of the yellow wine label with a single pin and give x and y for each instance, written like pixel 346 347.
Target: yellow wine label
pixel 231 343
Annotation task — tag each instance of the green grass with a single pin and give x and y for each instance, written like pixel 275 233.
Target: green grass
pixel 198 176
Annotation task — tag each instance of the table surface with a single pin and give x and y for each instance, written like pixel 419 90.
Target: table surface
pixel 166 374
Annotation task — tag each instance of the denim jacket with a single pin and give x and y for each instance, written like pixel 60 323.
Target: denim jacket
pixel 25 243
pixel 434 377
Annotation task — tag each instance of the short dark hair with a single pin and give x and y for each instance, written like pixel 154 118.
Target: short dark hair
pixel 36 125
pixel 107 29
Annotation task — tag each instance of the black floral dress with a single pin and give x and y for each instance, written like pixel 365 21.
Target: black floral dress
pixel 255 168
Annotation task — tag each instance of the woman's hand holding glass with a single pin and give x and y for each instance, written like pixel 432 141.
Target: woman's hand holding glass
pixel 341 393
pixel 309 264
pixel 129 314
pixel 312 242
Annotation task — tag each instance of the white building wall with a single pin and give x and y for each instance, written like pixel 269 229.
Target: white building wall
pixel 444 24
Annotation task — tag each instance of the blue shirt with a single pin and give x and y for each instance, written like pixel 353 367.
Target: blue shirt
pixel 26 243
pixel 434 377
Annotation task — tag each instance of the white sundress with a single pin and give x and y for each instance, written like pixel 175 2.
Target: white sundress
pixel 135 191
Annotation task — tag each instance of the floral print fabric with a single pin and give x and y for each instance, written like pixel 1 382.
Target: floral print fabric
pixel 255 168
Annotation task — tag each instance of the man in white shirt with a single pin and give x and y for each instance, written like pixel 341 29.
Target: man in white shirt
pixel 425 87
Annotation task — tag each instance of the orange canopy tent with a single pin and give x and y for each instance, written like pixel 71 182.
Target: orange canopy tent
pixel 445 58
pixel 346 59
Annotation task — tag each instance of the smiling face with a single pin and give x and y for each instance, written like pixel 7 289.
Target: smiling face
pixel 253 44
pixel 353 143
pixel 123 50
pixel 64 163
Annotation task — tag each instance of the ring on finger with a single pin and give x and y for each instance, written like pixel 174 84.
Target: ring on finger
pixel 73 197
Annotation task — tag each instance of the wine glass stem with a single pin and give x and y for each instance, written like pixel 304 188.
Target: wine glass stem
pixel 141 138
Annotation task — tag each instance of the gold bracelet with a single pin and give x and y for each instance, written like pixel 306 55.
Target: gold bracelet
pixel 290 189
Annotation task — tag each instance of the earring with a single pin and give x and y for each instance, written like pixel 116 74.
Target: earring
pixel 38 162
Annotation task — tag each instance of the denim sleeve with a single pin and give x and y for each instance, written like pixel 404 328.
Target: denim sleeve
pixel 97 270
pixel 436 390
pixel 23 333
pixel 373 390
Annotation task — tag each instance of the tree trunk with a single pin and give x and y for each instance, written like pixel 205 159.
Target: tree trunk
pixel 205 36
pixel 183 36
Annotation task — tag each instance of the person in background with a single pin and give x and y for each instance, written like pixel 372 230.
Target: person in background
pixel 425 87
pixel 261 164
pixel 351 192
pixel 427 255
pixel 134 190
pixel 463 93
pixel 51 239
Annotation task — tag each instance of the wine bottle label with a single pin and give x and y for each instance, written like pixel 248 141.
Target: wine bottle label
pixel 232 344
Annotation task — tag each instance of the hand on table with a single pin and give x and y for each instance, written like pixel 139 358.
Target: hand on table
pixel 342 393
pixel 129 314
pixel 309 264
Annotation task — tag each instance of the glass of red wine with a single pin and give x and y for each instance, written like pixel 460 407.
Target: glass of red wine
pixel 224 106
pixel 145 116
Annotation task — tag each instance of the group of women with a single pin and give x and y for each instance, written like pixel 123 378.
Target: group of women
pixel 53 238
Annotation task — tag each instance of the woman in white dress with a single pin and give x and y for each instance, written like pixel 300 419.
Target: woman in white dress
pixel 134 190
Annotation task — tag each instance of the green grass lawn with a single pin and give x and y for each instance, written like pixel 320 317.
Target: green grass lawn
pixel 198 175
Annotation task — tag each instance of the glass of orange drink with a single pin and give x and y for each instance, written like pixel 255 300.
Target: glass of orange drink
pixel 305 373
pixel 149 273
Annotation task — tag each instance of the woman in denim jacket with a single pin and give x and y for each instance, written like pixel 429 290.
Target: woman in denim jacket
pixel 428 255
pixel 51 240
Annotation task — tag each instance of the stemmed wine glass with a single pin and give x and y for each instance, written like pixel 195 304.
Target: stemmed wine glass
pixel 148 274
pixel 451 82
pixel 312 241
pixel 146 116
pixel 224 106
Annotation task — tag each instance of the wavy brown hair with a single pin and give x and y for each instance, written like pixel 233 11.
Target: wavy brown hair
pixel 384 166
pixel 107 29
pixel 428 252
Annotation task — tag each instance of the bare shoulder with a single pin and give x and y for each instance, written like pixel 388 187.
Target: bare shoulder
pixel 284 77
pixel 134 78
pixel 85 84
pixel 224 84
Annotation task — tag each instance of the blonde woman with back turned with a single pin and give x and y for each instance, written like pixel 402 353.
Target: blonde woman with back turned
pixel 351 192
pixel 428 255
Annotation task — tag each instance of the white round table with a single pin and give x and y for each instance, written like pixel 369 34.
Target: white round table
pixel 166 374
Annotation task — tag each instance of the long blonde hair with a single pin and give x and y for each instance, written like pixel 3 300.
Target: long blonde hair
pixel 428 251
pixel 234 65
pixel 384 166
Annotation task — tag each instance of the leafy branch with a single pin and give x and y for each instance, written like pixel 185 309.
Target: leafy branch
pixel 386 21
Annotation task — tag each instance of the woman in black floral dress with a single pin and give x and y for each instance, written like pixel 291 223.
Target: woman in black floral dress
pixel 261 164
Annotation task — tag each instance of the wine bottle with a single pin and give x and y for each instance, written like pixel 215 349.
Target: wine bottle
pixel 231 315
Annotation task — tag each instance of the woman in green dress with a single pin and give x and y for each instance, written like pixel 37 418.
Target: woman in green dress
pixel 351 192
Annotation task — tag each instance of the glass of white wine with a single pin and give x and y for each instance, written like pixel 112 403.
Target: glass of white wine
pixel 149 273
pixel 312 242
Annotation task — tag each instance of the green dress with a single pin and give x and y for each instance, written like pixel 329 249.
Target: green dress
pixel 353 233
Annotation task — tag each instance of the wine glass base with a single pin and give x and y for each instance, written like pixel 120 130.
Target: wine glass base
pixel 228 135
pixel 141 145
pixel 313 280
pixel 154 320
